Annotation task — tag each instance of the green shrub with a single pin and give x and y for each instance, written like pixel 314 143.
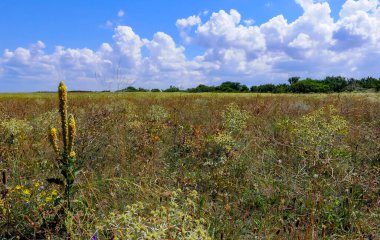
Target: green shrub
pixel 309 86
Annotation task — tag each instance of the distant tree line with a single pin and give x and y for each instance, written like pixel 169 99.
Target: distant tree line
pixel 295 85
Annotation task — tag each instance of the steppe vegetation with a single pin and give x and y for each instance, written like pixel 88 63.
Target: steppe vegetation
pixel 191 166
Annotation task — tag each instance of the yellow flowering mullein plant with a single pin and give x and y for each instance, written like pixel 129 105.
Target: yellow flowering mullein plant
pixel 67 156
pixel 54 139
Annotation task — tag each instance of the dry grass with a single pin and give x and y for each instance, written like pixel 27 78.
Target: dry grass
pixel 266 180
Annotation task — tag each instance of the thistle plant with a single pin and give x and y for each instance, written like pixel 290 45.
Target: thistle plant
pixel 66 156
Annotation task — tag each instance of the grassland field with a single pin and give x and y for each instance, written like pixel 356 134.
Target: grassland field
pixel 194 166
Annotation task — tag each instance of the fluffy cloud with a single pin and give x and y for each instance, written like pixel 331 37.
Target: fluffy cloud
pixel 188 22
pixel 185 26
pixel 224 30
pixel 352 7
pixel 120 13
pixel 128 46
pixel 302 41
pixel 313 45
pixel 358 26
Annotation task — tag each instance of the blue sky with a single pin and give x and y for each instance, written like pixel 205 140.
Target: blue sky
pixel 96 45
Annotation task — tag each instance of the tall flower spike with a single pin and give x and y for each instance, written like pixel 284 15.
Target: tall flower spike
pixel 62 94
pixel 53 137
pixel 72 133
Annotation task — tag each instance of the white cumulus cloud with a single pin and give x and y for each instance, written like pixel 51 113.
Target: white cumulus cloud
pixel 313 45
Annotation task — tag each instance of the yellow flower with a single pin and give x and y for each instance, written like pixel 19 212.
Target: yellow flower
pixel 54 193
pixel 62 94
pixel 72 132
pixel 18 187
pixel 54 139
pixel 53 131
pixel 37 184
pixel 48 199
pixel 227 207
pixel 26 191
pixel 62 87
pixel 72 154
pixel 156 138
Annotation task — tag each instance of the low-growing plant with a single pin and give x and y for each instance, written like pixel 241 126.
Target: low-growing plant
pixel 13 130
pixel 234 120
pixel 34 207
pixel 321 132
pixel 174 219
pixel 157 113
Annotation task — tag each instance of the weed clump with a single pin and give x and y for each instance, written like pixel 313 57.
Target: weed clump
pixel 173 219
pixel 234 120
pixel 14 130
pixel 322 133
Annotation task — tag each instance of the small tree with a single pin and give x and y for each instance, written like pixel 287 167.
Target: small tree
pixel 293 80
pixel 336 84
pixel 172 89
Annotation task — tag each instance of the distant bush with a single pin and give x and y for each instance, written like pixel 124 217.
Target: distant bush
pixel 296 85
pixel 172 89
pixel 336 84
pixel 202 88
pixel 266 88
pixel 133 89
pixel 232 87
pixel 293 80
pixel 309 86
